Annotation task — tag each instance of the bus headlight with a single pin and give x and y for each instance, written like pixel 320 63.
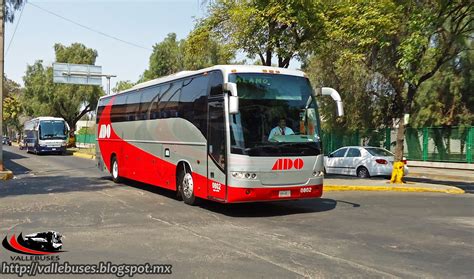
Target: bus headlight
pixel 318 173
pixel 244 175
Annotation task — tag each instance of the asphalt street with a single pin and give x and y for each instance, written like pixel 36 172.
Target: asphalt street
pixel 343 234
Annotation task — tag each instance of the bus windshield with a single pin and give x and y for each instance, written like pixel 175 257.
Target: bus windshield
pixel 53 129
pixel 277 116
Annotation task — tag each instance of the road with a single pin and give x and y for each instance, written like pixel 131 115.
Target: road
pixel 343 234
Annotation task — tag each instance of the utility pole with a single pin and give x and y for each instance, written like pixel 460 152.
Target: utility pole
pixel 2 49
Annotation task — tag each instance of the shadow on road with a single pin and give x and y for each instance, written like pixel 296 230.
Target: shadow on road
pixel 35 185
pixel 270 209
pixel 14 167
pixel 257 209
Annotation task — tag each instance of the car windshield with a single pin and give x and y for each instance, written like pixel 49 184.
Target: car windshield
pixel 379 152
pixel 53 129
pixel 277 116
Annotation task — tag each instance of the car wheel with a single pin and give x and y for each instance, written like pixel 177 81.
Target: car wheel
pixel 186 187
pixel 115 170
pixel 363 172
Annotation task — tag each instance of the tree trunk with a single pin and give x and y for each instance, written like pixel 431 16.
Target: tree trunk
pixel 400 140
pixel 439 143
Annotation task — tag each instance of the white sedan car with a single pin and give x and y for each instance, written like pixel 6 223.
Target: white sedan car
pixel 361 161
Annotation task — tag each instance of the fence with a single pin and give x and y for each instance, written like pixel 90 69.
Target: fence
pixel 85 140
pixel 438 144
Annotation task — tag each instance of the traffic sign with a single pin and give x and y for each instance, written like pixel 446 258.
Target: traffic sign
pixel 81 74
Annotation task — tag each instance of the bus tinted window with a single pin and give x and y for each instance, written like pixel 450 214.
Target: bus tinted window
pixel 132 106
pixel 193 102
pixel 100 108
pixel 118 109
pixel 148 94
pixel 169 101
pixel 155 105
pixel 216 81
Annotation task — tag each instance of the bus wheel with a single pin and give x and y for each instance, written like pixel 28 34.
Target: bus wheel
pixel 115 170
pixel 186 187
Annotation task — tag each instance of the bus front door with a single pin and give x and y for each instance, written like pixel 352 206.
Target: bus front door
pixel 216 147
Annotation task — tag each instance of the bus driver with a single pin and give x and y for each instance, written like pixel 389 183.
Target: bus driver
pixel 280 130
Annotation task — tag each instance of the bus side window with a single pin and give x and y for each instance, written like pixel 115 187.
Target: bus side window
pixel 132 105
pixel 216 83
pixel 169 102
pixel 147 96
pixel 193 102
pixel 154 106
pixel 118 109
pixel 100 109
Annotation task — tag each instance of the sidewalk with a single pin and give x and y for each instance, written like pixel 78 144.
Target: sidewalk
pixel 342 183
pixel 443 174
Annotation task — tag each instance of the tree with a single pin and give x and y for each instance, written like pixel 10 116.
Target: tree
pixel 71 102
pixel 12 108
pixel 406 42
pixel 123 85
pixel 199 50
pixel 268 28
pixel 166 58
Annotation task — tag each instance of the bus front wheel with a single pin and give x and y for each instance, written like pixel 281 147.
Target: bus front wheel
pixel 186 186
pixel 114 165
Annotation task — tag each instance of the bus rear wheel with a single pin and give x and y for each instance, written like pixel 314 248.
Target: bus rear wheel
pixel 114 170
pixel 186 187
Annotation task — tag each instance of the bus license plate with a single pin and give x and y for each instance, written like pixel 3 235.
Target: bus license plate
pixel 284 194
pixel 54 149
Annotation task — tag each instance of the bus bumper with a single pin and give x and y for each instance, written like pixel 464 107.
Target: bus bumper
pixel 47 149
pixel 235 195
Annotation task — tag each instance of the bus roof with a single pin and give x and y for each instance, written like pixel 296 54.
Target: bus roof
pixel 226 70
pixel 46 118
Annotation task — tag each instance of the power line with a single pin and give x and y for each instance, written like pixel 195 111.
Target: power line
pixel 89 28
pixel 14 31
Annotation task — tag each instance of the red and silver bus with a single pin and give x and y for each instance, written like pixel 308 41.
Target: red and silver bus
pixel 232 133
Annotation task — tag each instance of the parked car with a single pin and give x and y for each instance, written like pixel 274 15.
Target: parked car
pixel 361 161
pixel 6 140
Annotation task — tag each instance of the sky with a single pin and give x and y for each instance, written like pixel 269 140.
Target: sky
pixel 142 23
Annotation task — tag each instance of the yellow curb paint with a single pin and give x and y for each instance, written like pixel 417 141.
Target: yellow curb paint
pixel 6 175
pixel 83 155
pixel 450 190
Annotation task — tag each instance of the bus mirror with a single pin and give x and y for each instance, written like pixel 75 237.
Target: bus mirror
pixel 233 104
pixel 328 91
pixel 231 87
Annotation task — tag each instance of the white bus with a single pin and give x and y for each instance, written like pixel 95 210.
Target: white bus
pixel 46 135
pixel 229 133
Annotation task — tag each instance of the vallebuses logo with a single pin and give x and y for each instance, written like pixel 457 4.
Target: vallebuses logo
pixel 41 243
pixel 104 131
pixel 287 164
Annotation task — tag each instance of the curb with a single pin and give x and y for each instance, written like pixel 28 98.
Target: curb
pixel 6 175
pixel 83 155
pixel 447 189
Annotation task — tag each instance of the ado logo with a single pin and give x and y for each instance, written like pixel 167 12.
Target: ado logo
pixel 104 131
pixel 287 164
